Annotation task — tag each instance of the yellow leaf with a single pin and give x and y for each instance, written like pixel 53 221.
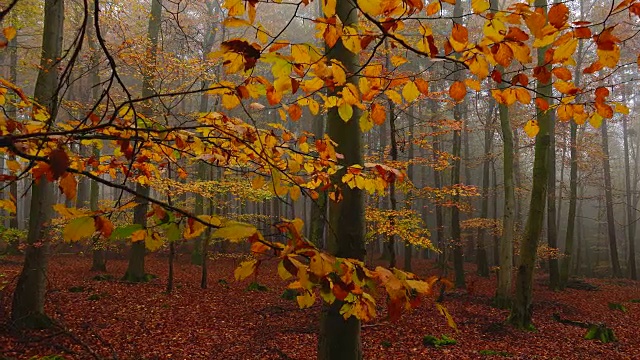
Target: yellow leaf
pixel 563 53
pixel 68 213
pixel 443 310
pixel 472 84
pixel 398 60
pixel 283 272
pixel 13 166
pixel 622 109
pixel 153 242
pixel 234 231
pixel 307 299
pixel 257 182
pixel 294 192
pixel 245 269
pixel 321 264
pixel 79 228
pixel 365 122
pixel 410 91
pixel 394 96
pixel 479 6
pixel 351 39
pixel 531 128
pixel 434 7
pixel 595 120
pixel 345 111
pixel 328 7
pixel 262 34
pixel 8 205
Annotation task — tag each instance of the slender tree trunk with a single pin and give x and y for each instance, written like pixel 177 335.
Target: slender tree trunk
pixel 28 298
pixel 410 174
pixel 573 178
pixel 611 226
pixel 98 258
pixel 458 245
pixel 552 231
pixel 340 338
pixel 521 310
pixel 135 269
pixel 393 203
pixel 482 262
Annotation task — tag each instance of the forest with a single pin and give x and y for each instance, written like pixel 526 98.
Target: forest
pixel 330 179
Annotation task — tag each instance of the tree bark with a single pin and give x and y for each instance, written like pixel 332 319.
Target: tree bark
pixel 28 299
pixel 456 238
pixel 552 231
pixel 481 257
pixel 340 338
pixel 611 225
pixel 521 309
pixel 135 270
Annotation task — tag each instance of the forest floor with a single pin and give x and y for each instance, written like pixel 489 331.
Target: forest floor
pixel 118 320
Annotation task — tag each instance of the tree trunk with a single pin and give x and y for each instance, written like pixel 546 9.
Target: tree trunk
pixel 552 231
pixel 458 246
pixel 573 178
pixel 29 296
pixel 611 225
pixel 393 203
pixel 135 270
pixel 408 248
pixel 521 309
pixel 503 290
pixel 481 257
pixel 340 338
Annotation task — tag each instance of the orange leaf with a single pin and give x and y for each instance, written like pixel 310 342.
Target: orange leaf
pixel 558 15
pixel 460 33
pixel 503 54
pixel 433 8
pixel 295 112
pixel 458 91
pixel 68 186
pixel 562 73
pixel 604 110
pixel 582 33
pixel 423 86
pixel 542 104
pixel 378 114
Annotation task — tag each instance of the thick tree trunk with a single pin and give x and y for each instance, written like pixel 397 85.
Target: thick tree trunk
pixel 521 310
pixel 28 299
pixel 340 338
pixel 611 225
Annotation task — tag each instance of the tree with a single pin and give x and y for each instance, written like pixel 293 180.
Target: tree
pixel 135 270
pixel 521 310
pixel 28 299
pixel 339 338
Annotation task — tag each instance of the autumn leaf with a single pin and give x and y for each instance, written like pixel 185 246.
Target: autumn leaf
pixel 78 229
pixel 234 231
pixel 531 128
pixel 245 269
pixel 458 91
